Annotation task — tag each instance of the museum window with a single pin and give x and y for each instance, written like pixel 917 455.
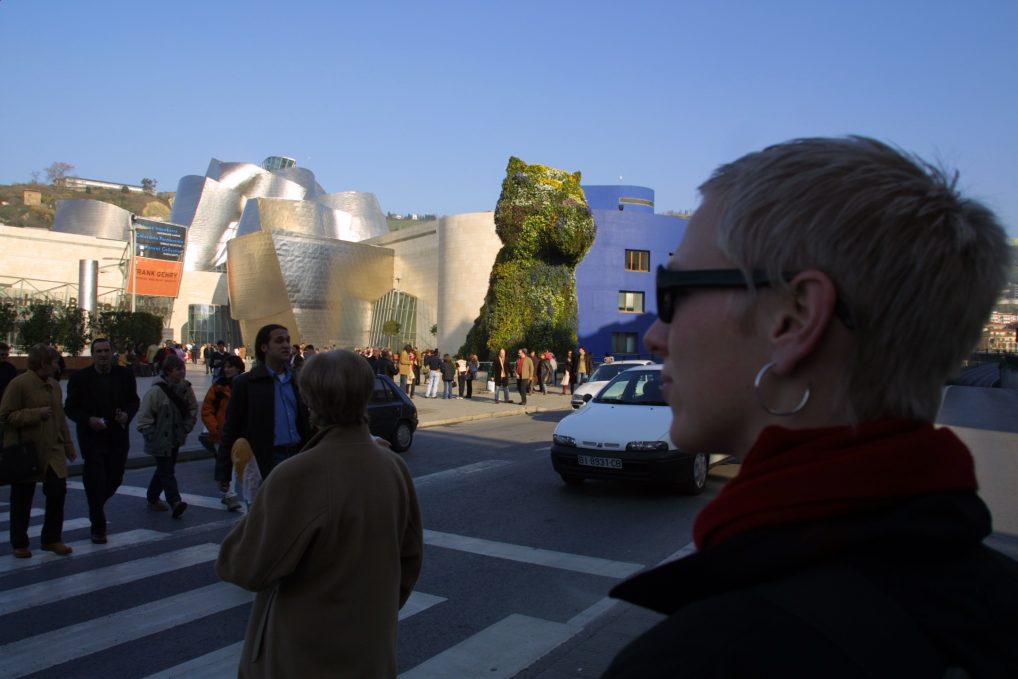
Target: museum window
pixel 637 260
pixel 624 342
pixel 631 301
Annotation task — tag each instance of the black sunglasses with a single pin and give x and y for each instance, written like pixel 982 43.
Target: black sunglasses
pixel 671 284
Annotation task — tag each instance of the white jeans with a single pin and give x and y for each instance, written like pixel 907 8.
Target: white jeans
pixel 434 377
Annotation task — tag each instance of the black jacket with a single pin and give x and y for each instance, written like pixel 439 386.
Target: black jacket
pixel 84 400
pixel 251 414
pixel 907 592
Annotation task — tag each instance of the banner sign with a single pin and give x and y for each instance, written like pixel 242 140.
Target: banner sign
pixel 158 263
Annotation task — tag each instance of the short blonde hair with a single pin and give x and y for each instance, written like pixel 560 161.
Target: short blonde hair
pixel 917 265
pixel 337 385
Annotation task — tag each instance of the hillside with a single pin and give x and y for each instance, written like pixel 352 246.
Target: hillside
pixel 14 212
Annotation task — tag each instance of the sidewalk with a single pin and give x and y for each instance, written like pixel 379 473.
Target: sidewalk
pixel 430 413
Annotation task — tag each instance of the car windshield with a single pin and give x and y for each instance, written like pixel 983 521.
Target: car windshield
pixel 634 387
pixel 606 371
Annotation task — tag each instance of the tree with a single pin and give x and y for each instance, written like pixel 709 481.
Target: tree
pixel 58 171
pixel 149 185
pixel 71 332
pixel 390 329
pixel 38 327
pixel 8 319
pixel 35 176
pixel 125 329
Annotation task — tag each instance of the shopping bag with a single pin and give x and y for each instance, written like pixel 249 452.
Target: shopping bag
pixel 249 478
pixel 491 385
pixel 19 462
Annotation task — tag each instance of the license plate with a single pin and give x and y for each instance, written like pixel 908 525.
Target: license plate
pixel 607 462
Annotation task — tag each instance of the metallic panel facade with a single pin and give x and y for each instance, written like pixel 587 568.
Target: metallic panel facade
pixel 320 288
pixel 86 217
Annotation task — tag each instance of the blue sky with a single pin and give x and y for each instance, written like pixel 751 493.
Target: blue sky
pixel 423 103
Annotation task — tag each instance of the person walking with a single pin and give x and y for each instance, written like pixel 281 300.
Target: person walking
pixel 168 413
pixel 567 373
pixel 406 368
pixel 524 374
pixel 265 408
pixel 448 370
pixel 101 401
pixel 213 416
pixel 31 411
pixel 461 375
pixel 501 372
pixel 434 363
pixel 472 366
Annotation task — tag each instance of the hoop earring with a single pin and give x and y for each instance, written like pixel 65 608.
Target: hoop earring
pixel 756 387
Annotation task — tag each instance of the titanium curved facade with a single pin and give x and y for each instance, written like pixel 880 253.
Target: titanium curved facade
pixel 321 289
pixel 368 219
pixel 240 198
pixel 86 217
pixel 300 216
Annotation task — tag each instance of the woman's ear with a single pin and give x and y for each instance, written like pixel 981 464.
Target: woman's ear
pixel 803 314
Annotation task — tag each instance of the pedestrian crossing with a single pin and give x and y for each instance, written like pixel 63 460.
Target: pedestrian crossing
pixel 500 650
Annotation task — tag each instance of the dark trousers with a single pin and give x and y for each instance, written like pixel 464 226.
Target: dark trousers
pixel 470 388
pixel 55 490
pixel 164 479
pixel 462 384
pixel 102 474
pixel 523 386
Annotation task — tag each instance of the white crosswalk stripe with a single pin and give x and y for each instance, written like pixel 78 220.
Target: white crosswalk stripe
pixel 76 641
pixel 224 662
pixel 82 548
pixel 36 511
pixel 102 578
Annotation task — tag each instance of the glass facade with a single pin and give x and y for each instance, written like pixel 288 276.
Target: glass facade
pixel 209 323
pixel 399 307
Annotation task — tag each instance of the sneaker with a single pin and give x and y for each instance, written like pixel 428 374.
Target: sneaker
pixel 232 503
pixel 158 506
pixel 179 508
pixel 58 548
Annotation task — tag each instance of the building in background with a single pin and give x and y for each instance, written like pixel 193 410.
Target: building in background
pixel 266 243
pixel 615 282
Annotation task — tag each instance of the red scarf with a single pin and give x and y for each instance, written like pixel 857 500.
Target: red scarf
pixel 793 476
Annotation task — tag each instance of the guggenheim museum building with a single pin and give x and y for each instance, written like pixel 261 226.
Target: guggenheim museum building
pixel 267 244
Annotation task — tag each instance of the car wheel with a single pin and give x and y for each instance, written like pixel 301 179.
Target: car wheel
pixel 696 475
pixel 570 480
pixel 402 437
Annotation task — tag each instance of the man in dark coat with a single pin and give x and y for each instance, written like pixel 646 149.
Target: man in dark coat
pixel 7 369
pixel 265 407
pixel 101 401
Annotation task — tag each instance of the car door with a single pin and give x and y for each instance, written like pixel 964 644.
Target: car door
pixel 384 410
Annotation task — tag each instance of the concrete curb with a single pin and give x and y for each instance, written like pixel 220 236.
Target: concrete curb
pixel 193 453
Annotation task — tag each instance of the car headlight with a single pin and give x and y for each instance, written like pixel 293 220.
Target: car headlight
pixel 647 445
pixel 563 440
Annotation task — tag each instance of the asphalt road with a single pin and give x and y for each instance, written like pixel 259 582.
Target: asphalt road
pixel 515 564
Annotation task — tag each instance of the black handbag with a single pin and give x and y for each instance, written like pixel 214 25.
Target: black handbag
pixel 19 462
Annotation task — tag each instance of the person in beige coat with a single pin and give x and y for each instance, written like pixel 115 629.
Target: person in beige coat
pixel 332 544
pixel 32 410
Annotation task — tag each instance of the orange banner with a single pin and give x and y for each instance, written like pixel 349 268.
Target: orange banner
pixel 157 277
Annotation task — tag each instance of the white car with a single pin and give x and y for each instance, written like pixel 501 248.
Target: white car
pixel 600 377
pixel 622 433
